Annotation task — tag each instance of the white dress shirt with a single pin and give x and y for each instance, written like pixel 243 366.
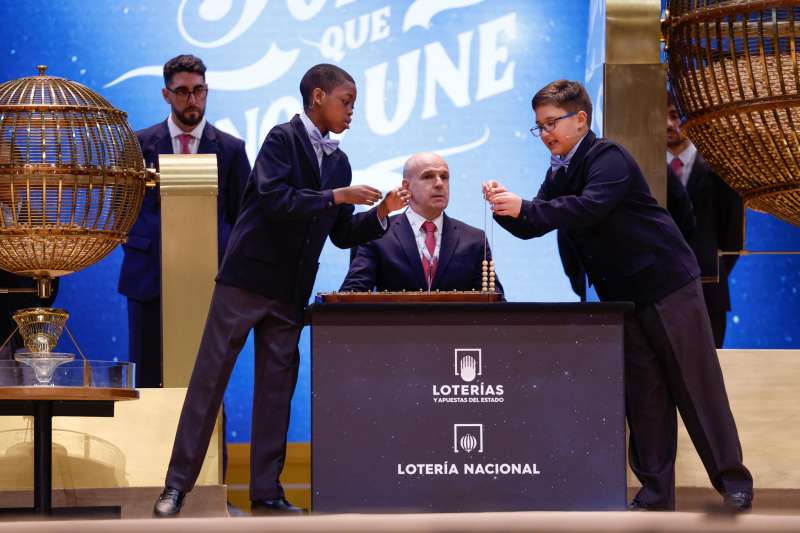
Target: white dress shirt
pixel 310 126
pixel 687 157
pixel 416 220
pixel 175 131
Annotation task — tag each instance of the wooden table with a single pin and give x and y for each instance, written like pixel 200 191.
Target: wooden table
pixel 43 403
pixel 409 297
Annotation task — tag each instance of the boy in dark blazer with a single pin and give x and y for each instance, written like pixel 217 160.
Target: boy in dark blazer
pixel 297 196
pixel 184 131
pixel 632 250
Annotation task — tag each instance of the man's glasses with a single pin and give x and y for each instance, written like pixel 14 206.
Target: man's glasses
pixel 550 125
pixel 183 93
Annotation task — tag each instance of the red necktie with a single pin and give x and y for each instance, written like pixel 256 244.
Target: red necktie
pixel 184 138
pixel 430 243
pixel 676 165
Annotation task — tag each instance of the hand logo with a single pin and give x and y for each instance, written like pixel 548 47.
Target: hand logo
pixel 468 368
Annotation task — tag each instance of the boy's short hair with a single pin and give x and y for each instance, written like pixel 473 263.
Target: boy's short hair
pixel 326 77
pixel 183 63
pixel 566 94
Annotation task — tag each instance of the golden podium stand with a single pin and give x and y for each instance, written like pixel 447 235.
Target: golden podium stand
pixel 188 186
pixel 188 258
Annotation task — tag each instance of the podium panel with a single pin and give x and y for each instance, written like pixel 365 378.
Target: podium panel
pixel 466 408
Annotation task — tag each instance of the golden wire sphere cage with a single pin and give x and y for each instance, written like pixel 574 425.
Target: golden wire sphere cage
pixel 41 327
pixel 734 68
pixel 72 179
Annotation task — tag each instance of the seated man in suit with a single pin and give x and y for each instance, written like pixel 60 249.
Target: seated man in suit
pixel 423 247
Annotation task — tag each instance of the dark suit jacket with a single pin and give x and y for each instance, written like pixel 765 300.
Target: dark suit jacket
pixel 629 246
pixel 393 262
pixel 680 209
pixel 140 276
pixel 287 214
pixel 719 211
pixel 680 206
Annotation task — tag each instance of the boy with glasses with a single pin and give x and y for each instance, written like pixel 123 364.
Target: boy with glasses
pixel 632 251
pixel 185 131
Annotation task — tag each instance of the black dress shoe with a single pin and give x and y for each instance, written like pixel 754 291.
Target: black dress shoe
pixel 636 505
pixel 274 507
pixel 169 503
pixel 738 502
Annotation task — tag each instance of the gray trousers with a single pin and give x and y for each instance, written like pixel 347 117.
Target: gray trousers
pixel 671 362
pixel 277 325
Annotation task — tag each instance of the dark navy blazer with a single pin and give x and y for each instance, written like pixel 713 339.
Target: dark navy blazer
pixel 287 214
pixel 680 209
pixel 393 262
pixel 140 276
pixel 629 245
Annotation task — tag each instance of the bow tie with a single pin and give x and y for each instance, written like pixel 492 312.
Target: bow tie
pixel 327 144
pixel 557 163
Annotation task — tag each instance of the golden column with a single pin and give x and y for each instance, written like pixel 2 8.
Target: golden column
pixel 188 258
pixel 634 87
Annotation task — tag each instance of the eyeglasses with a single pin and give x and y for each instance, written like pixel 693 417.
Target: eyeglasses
pixel 183 93
pixel 550 125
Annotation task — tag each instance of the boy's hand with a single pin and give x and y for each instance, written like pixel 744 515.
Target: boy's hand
pixel 506 204
pixel 395 199
pixel 356 195
pixel 492 187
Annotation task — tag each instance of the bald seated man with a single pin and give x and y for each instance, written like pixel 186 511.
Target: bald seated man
pixel 423 248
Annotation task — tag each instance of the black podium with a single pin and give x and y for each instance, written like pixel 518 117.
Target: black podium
pixel 467 407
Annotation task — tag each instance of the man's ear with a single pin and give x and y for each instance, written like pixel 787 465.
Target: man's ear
pixel 404 184
pixel 165 95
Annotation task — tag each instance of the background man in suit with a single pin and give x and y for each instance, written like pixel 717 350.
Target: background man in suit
pixel 185 131
pixel 718 211
pixel 423 248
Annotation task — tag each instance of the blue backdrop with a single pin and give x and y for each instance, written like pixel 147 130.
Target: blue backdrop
pixel 452 76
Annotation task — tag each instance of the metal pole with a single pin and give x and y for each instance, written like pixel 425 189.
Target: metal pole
pixel 43 458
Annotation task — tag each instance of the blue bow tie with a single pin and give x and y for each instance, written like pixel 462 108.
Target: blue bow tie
pixel 557 163
pixel 327 144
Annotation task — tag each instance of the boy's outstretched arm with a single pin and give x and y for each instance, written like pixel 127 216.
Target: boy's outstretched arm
pixel 351 230
pixel 282 201
pixel 607 184
pixel 496 191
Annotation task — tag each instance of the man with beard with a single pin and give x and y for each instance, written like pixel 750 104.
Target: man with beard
pixel 185 131
pixel 718 212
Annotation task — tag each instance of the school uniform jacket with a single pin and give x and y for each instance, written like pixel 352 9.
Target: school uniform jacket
pixel 287 214
pixel 629 246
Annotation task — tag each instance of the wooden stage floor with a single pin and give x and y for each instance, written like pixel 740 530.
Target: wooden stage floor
pixel 774 510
